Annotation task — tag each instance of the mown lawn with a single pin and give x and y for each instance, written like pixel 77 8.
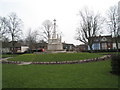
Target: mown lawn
pixel 9 55
pixel 86 75
pixel 107 52
pixel 54 57
pixel 0 76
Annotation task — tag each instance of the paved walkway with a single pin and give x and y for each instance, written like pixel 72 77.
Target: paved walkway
pixel 5 59
pixel 25 63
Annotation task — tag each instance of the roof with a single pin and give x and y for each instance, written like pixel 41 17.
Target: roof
pixel 68 44
pixel 118 39
pixel 102 38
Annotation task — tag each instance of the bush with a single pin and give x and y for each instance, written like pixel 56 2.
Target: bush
pixel 115 64
pixel 106 50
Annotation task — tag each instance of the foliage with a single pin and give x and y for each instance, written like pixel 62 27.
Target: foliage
pixel 115 63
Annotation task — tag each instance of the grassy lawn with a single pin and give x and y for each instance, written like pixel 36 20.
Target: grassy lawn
pixel 54 57
pixel 107 52
pixel 86 75
pixel 0 76
pixel 9 55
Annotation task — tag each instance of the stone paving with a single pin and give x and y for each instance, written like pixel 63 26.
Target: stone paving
pixel 106 57
pixel 25 63
pixel 4 59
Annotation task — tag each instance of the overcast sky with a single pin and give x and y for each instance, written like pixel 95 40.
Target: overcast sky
pixel 34 12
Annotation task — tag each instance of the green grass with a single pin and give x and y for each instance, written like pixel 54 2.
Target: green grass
pixel 54 57
pixel 86 75
pixel 9 55
pixel 0 76
pixel 107 52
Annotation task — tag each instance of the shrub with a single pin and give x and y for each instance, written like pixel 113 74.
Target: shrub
pixel 115 64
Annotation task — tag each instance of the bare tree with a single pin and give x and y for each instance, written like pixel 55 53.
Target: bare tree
pixel 113 23
pixel 4 40
pixel 90 25
pixel 31 39
pixel 14 28
pixel 47 27
pixel 3 27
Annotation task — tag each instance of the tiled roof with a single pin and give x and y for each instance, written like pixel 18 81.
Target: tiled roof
pixel 102 39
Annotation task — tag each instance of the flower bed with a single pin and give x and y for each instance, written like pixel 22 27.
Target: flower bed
pixel 62 62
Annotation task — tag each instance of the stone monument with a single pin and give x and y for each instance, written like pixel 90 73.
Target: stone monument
pixel 54 42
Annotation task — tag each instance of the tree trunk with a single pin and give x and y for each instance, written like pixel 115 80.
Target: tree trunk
pixel 91 49
pixel 116 43
pixel 90 45
pixel 13 44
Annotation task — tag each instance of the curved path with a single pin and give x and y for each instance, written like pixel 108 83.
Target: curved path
pixel 106 57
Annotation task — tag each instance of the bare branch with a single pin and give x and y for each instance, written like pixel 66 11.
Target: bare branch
pixel 90 24
pixel 113 22
pixel 47 27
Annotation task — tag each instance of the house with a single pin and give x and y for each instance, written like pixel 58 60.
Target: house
pixel 5 50
pixel 42 44
pixel 68 47
pixel 106 42
pixel 35 46
pixel 114 44
pixel 18 47
pixel 5 47
pixel 102 43
pixel 81 48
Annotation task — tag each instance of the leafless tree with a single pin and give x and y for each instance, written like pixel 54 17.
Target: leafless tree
pixel 3 27
pixel 14 27
pixel 90 25
pixel 114 23
pixel 4 40
pixel 31 38
pixel 46 28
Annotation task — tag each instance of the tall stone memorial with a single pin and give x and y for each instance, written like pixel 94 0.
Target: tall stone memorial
pixel 54 42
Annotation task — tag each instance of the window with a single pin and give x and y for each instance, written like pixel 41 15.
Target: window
pixel 109 45
pixel 104 46
pixel 104 39
pixel 96 46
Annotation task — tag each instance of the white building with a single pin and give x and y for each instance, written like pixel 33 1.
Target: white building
pixel 114 46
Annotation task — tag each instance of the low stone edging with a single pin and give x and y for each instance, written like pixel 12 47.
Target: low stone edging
pixel 62 62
